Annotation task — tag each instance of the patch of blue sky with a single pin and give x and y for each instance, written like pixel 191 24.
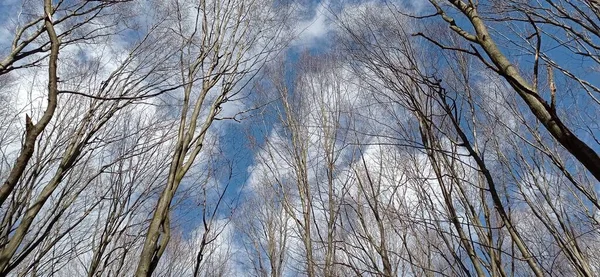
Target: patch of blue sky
pixel 239 140
pixel 316 42
pixel 573 102
pixel 10 12
pixel 517 41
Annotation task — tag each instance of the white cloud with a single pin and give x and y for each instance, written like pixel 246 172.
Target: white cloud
pixel 310 31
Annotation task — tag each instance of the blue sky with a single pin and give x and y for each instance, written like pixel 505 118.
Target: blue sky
pixel 313 37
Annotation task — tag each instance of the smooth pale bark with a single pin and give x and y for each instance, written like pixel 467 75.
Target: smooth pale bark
pixel 32 132
pixel 543 111
pixel 189 145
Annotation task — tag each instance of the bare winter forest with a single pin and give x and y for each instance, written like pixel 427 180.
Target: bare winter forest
pixel 299 138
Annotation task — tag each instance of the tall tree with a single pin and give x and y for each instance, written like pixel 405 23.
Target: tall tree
pixel 221 46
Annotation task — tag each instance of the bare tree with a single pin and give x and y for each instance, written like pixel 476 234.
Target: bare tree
pixel 75 125
pixel 403 149
pixel 570 18
pixel 221 45
pixel 76 16
pixel 265 228
pixel 477 207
